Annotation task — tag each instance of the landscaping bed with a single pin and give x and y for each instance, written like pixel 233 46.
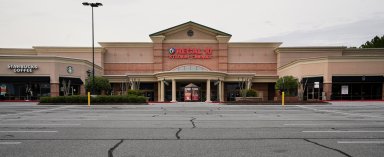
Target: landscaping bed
pixel 98 100
pixel 276 103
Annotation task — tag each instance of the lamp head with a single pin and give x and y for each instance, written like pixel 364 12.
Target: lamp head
pixel 96 4
pixel 86 3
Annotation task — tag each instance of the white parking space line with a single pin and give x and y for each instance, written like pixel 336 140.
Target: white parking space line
pixel 31 124
pixel 351 131
pixel 360 142
pixel 36 111
pixel 336 124
pixel 344 113
pixel 28 131
pixel 10 142
pixel 49 119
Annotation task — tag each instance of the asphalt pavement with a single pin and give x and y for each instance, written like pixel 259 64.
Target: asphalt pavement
pixel 192 129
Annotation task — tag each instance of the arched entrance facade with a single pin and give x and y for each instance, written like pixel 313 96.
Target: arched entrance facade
pixel 172 84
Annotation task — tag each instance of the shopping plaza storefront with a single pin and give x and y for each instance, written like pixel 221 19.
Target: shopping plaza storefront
pixel 193 62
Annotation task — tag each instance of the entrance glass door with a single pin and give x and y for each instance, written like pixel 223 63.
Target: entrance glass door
pixel 191 92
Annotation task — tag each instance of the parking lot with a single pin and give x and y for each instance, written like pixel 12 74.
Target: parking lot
pixel 192 129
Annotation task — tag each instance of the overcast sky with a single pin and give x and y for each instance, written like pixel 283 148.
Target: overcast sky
pixel 27 23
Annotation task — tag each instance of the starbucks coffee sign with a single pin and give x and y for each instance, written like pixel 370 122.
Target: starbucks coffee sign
pixel 22 68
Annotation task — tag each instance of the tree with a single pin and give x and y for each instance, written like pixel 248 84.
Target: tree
pixel 101 84
pixel 289 86
pixel 376 42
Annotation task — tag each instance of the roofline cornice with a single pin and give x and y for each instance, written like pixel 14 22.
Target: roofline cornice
pixel 29 57
pixel 126 44
pixel 254 44
pixel 28 51
pixel 329 58
pixel 190 23
pixel 43 49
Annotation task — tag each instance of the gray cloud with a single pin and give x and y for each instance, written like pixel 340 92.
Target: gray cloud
pixel 349 34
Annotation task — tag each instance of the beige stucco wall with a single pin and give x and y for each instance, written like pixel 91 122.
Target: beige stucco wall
pixel 84 53
pixel 335 66
pixel 286 55
pixel 306 68
pixel 355 66
pixel 54 67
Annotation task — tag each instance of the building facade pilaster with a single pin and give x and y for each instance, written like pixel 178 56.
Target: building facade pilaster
pixel 55 89
pixel 327 89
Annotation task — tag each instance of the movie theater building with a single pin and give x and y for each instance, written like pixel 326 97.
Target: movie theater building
pixel 193 62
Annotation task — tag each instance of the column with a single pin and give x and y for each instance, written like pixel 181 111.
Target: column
pixel 158 91
pixel 222 91
pixel 327 89
pixel 161 91
pixel 173 90
pixel 82 90
pixel 55 89
pixel 208 91
pixel 219 92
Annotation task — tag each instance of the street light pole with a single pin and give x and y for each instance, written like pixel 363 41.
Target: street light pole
pixel 93 44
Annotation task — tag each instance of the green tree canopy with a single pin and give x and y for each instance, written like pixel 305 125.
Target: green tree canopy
pixel 290 85
pixel 101 84
pixel 376 42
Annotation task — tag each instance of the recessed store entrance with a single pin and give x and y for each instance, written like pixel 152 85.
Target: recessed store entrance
pixel 191 91
pixel 357 87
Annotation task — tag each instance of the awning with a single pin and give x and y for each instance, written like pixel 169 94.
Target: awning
pixel 23 79
pixel 311 79
pixel 352 79
pixel 74 81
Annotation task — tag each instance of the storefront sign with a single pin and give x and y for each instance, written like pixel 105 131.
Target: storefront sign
pixel 22 68
pixel 344 90
pixel 190 53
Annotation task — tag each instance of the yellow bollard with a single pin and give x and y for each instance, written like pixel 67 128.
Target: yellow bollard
pixel 282 98
pixel 89 98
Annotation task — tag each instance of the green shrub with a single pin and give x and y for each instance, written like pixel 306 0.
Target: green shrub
pixel 98 99
pixel 135 92
pixel 251 93
pixel 132 98
pixel 45 99
pixel 141 99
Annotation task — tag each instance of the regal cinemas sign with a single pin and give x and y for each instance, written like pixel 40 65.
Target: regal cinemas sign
pixel 22 68
pixel 190 53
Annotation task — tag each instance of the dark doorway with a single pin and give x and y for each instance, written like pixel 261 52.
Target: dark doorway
pixel 24 88
pixel 357 87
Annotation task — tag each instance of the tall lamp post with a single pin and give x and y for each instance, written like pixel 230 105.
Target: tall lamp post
pixel 93 44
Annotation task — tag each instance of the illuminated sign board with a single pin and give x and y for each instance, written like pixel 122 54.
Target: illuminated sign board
pixel 22 68
pixel 190 53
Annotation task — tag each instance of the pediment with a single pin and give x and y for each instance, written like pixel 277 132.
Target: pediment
pixel 190 32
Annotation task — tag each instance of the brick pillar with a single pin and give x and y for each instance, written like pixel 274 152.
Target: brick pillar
pixel 157 53
pixel 223 52
pixel 82 90
pixel 327 88
pixel 55 89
